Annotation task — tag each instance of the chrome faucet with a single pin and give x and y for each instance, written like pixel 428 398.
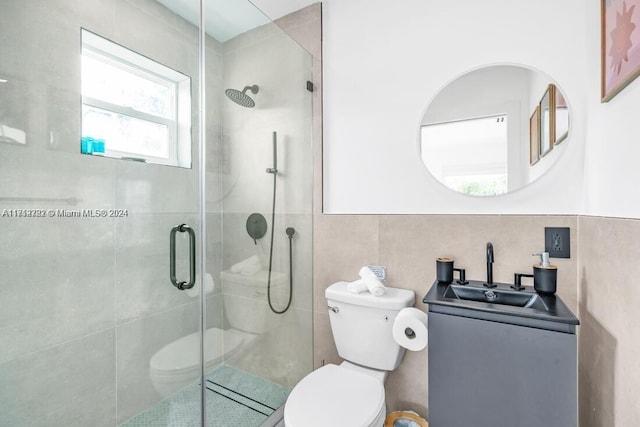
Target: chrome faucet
pixel 490 283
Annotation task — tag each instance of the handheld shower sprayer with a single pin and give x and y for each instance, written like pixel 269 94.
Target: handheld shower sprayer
pixel 274 169
pixel 290 232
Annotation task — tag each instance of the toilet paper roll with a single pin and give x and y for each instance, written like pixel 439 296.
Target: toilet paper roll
pixel 410 329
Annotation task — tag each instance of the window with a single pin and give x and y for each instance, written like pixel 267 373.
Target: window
pixel 133 107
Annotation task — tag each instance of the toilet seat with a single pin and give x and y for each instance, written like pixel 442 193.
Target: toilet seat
pixel 336 396
pixel 182 356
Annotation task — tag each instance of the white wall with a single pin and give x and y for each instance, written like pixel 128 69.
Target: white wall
pixel 383 62
pixel 613 147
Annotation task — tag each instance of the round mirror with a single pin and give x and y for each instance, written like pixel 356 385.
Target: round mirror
pixel 494 130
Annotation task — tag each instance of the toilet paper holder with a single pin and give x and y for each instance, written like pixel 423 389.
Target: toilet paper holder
pixel 410 329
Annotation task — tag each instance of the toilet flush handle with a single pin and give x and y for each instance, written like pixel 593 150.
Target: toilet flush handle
pixel 334 309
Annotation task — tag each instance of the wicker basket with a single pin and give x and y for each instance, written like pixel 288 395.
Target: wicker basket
pixel 405 415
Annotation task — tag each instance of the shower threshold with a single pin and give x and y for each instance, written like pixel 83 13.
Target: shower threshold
pixel 234 399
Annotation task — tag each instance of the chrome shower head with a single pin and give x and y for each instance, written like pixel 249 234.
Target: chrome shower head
pixel 240 97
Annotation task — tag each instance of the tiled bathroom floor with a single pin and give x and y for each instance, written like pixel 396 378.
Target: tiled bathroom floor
pixel 234 399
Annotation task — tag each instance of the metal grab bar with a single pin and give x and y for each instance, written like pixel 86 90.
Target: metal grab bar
pixel 192 257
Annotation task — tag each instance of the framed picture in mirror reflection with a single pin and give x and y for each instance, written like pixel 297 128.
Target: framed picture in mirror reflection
pixel 547 127
pixel 534 136
pixel 561 118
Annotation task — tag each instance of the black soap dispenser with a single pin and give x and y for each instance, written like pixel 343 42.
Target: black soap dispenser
pixel 545 275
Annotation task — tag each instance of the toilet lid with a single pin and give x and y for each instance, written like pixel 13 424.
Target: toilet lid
pixel 333 395
pixel 184 354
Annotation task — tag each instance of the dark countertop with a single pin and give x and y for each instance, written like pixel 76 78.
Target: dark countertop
pixel 556 316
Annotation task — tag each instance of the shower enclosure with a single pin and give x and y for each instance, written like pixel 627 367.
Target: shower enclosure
pixel 117 139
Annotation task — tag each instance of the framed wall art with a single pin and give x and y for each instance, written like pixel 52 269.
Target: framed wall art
pixel 620 45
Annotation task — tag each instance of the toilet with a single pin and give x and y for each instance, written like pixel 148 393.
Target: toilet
pixel 245 300
pixel 177 364
pixel 352 393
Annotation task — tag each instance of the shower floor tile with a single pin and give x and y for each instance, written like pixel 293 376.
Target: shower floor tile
pixel 234 399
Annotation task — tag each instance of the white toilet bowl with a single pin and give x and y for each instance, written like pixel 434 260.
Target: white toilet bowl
pixel 336 396
pixel 352 394
pixel 177 364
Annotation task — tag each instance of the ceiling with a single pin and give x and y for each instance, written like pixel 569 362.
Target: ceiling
pixel 225 19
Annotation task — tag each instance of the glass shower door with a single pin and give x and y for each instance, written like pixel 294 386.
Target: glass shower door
pixel 87 203
pixel 262 103
pixel 94 178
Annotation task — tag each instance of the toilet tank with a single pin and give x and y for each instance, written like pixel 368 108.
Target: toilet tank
pixel 245 300
pixel 362 325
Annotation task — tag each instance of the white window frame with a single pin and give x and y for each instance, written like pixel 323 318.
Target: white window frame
pixel 179 121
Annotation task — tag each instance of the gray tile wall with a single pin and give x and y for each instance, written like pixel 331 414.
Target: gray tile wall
pixel 56 387
pixel 87 301
pixel 268 57
pixel 609 368
pixel 77 284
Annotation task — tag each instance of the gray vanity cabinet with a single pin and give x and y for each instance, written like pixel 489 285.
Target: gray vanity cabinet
pixel 485 373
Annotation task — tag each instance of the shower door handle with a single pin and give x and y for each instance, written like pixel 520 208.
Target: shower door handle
pixel 192 256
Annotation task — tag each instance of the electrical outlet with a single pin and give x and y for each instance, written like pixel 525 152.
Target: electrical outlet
pixel 556 242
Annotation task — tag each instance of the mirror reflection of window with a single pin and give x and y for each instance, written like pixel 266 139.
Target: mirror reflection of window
pixel 468 156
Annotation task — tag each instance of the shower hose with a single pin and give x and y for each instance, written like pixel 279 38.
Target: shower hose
pixel 290 231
